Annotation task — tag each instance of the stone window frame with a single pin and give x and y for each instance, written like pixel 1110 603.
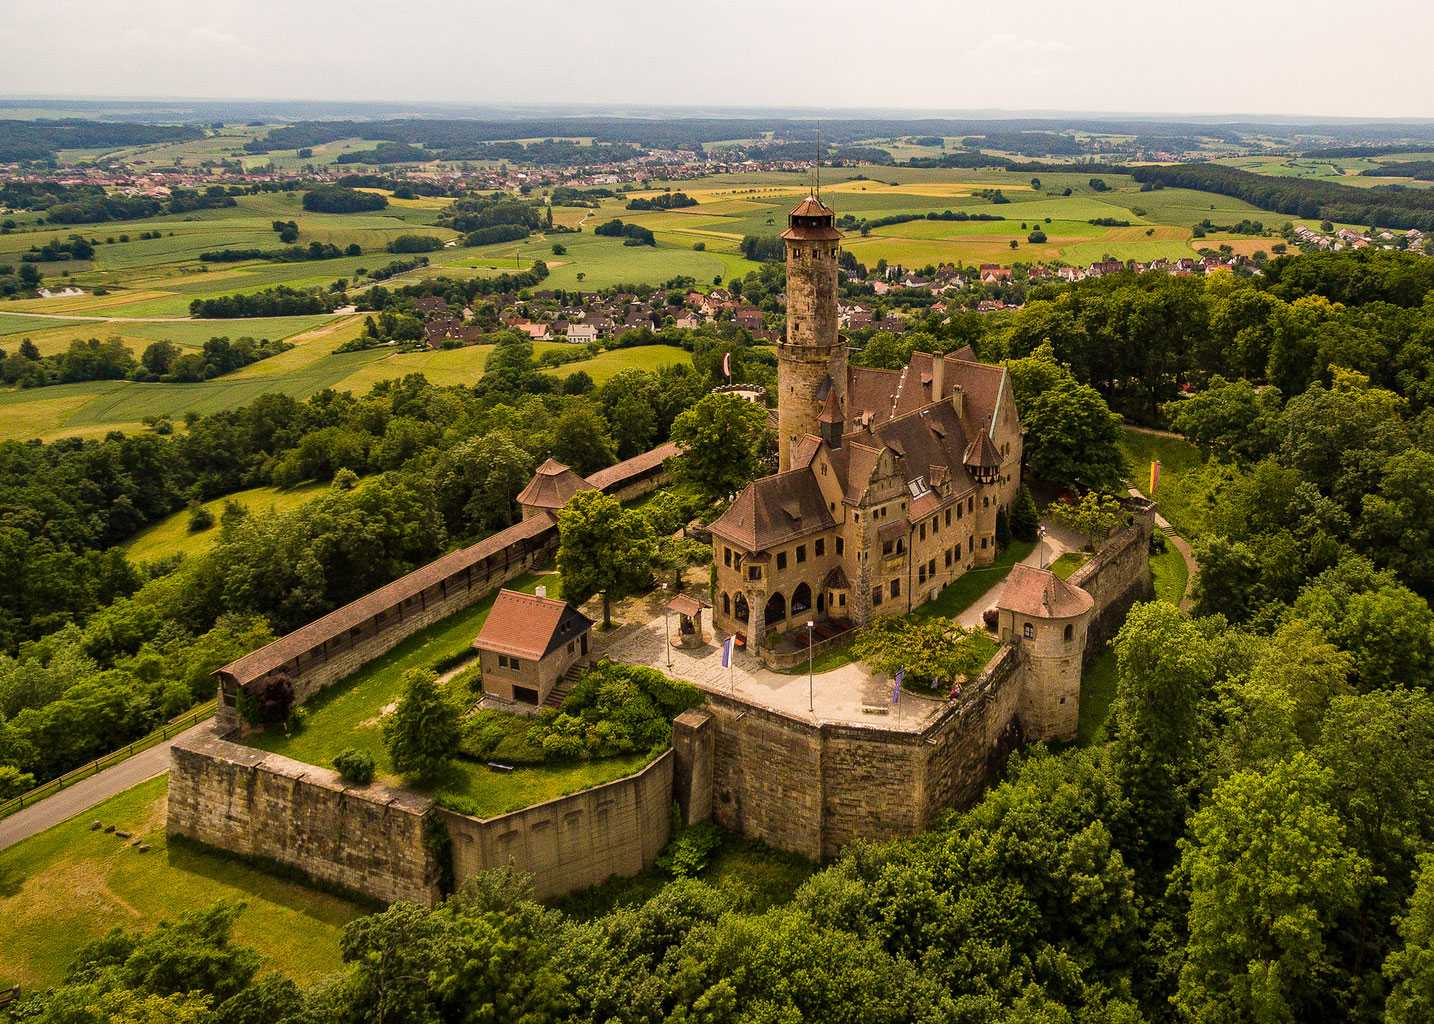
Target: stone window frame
pixel 1028 631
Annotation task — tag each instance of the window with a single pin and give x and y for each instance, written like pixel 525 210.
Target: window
pixel 948 517
pixel 886 547
pixel 985 501
pixel 922 534
pixel 931 567
pixel 1028 631
pixel 921 574
pixel 971 504
pixel 727 556
pixel 781 560
pixel 1070 632
pixel 841 545
pixel 958 551
pixel 841 600
pixel 514 664
pixel 801 553
pixel 895 588
pixel 983 543
pixel 502 661
pixel 570 647
pixel 876 595
pixel 958 511
pixel 948 558
pixel 935 524
pixel 754 572
pixel 819 546
pixel 726 603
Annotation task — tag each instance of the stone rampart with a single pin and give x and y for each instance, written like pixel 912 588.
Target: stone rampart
pixel 367 840
pixel 574 841
pixel 816 788
pixel 1117 576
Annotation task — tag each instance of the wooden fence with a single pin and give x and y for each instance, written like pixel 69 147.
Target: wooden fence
pixel 164 732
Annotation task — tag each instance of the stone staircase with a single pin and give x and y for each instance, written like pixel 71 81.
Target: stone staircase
pixel 564 686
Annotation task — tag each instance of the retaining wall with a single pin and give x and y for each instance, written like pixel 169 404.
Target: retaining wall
pixel 814 788
pixel 368 840
pixel 1117 576
pixel 574 841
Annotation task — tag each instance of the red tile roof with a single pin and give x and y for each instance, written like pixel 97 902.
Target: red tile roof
pixel 1041 593
pixel 552 486
pixel 528 626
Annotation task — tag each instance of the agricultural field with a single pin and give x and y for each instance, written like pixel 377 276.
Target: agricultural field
pixel 70 885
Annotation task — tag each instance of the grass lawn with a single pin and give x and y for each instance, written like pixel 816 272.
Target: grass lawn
pixel 645 357
pixel 755 876
pixel 350 714
pixel 1175 498
pixel 960 595
pixel 1066 565
pixel 68 886
pixel 1097 690
pixel 171 536
pixel 1171 576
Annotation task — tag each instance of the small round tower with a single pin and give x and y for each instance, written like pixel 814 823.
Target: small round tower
pixel 811 360
pixel 1048 618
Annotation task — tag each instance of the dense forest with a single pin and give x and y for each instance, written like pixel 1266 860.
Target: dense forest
pixel 42 139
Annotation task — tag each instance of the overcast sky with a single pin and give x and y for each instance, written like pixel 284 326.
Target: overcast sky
pixel 1316 57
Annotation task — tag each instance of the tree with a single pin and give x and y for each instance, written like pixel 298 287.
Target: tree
pixel 627 401
pixel 1270 877
pixel 934 652
pixel 1093 514
pixel 1025 517
pixel 724 440
pixel 159 357
pixel 1164 667
pixel 1072 437
pixel 424 731
pixel 603 549
pixel 581 440
pixel 1410 968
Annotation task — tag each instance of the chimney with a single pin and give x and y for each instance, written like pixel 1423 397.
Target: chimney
pixel 541 590
pixel 938 376
pixel 958 402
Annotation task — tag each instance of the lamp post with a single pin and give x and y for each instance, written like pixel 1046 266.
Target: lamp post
pixel 666 629
pixel 811 686
pixel 1041 546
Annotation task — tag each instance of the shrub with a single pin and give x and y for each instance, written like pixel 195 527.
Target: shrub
pixel 13 781
pixel 200 519
pixel 1025 518
pixel 345 480
pixel 691 848
pixel 355 766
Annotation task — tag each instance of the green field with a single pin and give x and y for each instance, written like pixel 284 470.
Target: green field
pixel 1170 575
pixel 171 536
pixel 70 885
pixel 1097 690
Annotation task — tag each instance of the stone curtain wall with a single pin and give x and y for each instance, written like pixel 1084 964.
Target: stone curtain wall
pixel 1117 576
pixel 366 840
pixel 575 841
pixel 815 789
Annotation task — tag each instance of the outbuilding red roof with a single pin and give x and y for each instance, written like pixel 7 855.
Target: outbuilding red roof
pixel 528 626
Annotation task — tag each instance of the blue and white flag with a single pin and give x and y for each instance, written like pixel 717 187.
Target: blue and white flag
pixel 727 651
pixel 896 691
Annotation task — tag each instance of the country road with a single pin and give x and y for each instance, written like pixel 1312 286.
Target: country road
pixel 86 794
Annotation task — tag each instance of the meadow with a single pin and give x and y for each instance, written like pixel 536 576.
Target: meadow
pixel 70 885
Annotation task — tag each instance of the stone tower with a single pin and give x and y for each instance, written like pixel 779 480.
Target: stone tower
pixel 1048 618
pixel 811 361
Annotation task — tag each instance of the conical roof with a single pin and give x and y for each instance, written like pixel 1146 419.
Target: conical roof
pixel 551 487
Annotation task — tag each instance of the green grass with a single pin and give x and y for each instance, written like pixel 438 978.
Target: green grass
pixel 171 536
pixel 1066 565
pixel 69 885
pixel 1097 691
pixel 750 873
pixel 1170 573
pixel 968 588
pixel 472 788
pixel 21 325
pixel 646 357
pixel 1176 497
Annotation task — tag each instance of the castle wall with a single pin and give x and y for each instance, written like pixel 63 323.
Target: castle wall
pixel 815 789
pixel 1117 576
pixel 572 842
pixel 367 840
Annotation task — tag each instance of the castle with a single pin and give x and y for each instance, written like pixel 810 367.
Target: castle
pixel 888 482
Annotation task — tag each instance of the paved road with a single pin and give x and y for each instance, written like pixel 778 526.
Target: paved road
pixel 83 795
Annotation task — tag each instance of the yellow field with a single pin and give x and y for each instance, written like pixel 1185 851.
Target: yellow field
pixel 416 203
pixel 44 417
pixel 98 305
pixel 310 348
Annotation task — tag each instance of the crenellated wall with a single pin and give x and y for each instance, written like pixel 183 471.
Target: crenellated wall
pixel 1117 576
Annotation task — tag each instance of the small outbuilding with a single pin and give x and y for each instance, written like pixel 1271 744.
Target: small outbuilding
pixel 528 643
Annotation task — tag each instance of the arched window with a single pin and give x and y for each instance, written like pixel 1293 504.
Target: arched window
pixel 726 603
pixel 801 599
pixel 776 610
pixel 1070 632
pixel 740 611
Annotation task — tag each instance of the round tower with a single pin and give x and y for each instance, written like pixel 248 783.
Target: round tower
pixel 811 360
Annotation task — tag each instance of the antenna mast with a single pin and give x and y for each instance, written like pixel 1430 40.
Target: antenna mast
pixel 817 168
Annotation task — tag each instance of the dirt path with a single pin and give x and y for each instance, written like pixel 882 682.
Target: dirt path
pixel 86 794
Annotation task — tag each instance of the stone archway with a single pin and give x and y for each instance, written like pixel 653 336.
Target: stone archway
pixel 801 599
pixel 776 610
pixel 740 611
